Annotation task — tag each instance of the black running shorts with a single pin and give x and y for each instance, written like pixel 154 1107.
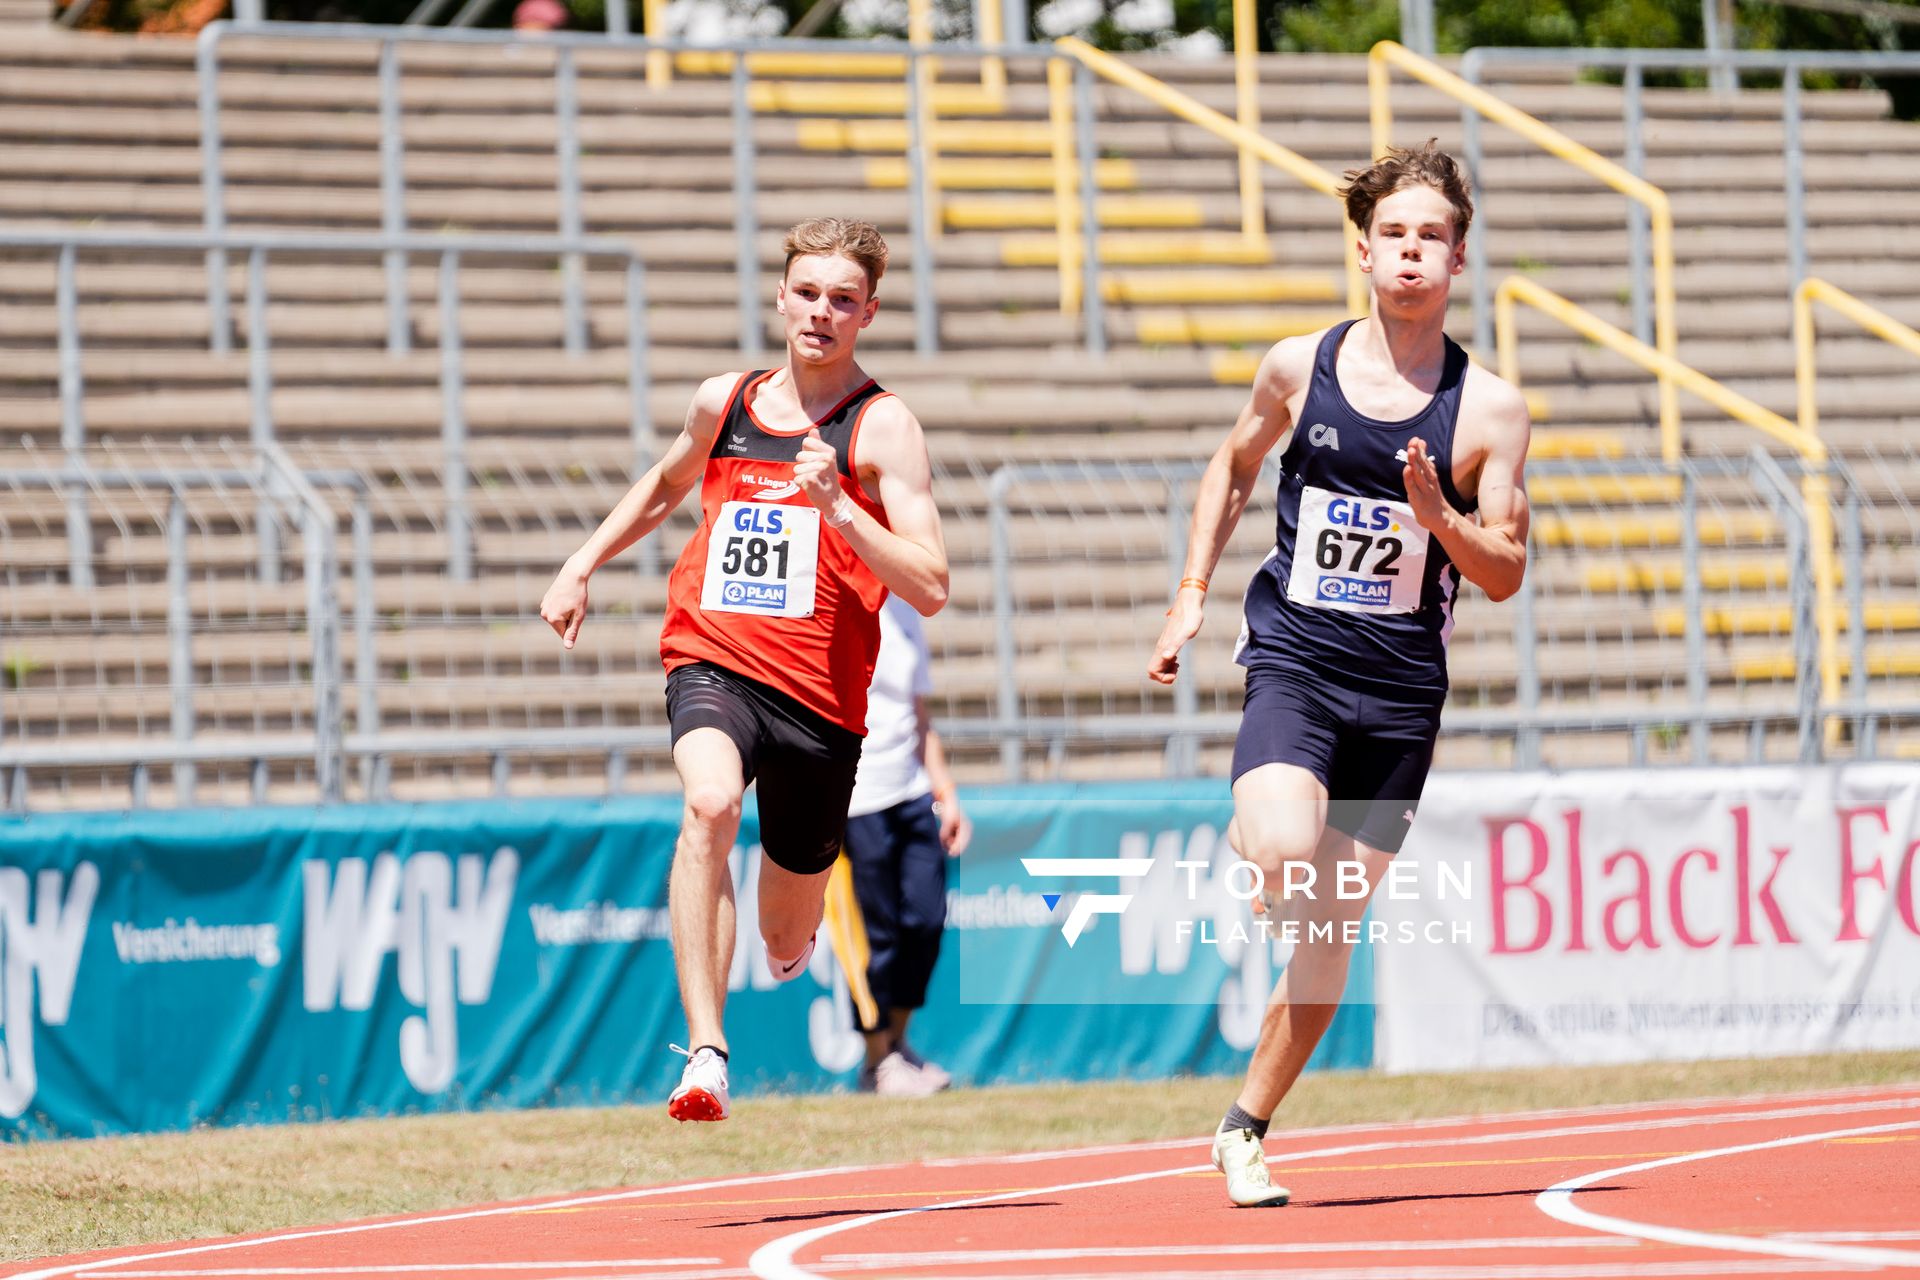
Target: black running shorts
pixel 804 763
pixel 1372 753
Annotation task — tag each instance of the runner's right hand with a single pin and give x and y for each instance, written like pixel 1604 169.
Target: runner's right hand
pixel 1183 624
pixel 564 607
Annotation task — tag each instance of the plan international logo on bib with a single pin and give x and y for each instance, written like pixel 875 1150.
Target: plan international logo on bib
pixel 755 595
pixel 1369 591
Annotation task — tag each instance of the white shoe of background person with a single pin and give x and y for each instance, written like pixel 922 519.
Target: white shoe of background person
pixel 702 1094
pixel 932 1072
pixel 1239 1155
pixel 894 1077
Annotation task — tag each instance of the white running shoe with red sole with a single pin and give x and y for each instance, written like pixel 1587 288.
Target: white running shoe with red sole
pixel 702 1094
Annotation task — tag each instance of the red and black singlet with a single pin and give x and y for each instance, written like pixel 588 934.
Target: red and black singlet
pixel 766 588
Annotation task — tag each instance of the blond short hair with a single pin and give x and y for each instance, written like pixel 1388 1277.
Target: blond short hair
pixel 847 237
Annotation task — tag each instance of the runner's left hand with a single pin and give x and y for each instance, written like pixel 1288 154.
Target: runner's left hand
pixel 1423 488
pixel 817 471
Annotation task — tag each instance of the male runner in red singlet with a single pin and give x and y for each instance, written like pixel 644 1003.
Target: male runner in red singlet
pixel 1404 470
pixel 816 500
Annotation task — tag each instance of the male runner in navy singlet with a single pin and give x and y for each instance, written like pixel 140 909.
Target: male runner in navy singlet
pixel 1404 470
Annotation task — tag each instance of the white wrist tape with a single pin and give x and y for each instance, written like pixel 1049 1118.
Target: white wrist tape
pixel 842 514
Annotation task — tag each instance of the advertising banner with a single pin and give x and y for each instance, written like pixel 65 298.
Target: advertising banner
pixel 1624 916
pixel 160 970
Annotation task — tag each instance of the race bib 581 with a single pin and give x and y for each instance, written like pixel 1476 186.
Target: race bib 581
pixel 762 558
pixel 1357 555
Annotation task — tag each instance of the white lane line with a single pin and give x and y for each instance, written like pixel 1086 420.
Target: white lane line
pixel 597 1264
pixel 95 1265
pixel 1846 1237
pixel 981 1257
pixel 1557 1202
pixel 1883 1096
pixel 102 1265
pixel 774 1260
pixel 1597 1271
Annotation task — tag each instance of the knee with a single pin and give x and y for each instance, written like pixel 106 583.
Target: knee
pixel 1272 849
pixel 713 807
pixel 784 941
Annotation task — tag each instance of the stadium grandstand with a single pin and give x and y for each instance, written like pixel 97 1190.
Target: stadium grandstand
pixel 367 364
pixel 323 343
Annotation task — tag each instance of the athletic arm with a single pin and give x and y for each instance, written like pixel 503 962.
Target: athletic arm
pixel 1225 489
pixel 649 502
pixel 956 829
pixel 908 553
pixel 1492 552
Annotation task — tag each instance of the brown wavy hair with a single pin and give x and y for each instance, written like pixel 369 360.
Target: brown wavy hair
pixel 1403 167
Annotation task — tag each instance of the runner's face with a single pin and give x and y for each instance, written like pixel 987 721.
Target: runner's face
pixel 825 304
pixel 1410 249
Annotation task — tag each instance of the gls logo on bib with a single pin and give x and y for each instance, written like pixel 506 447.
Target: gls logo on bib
pixel 427 913
pixel 44 941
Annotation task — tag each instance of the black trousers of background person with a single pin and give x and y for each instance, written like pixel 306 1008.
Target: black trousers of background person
pixel 900 879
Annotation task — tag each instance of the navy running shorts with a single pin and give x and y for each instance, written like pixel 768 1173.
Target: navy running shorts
pixel 1371 753
pixel 804 762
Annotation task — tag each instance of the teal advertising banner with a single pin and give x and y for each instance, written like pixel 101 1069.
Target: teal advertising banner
pixel 160 970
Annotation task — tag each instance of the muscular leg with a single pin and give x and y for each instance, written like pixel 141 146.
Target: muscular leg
pixel 700 897
pixel 791 906
pixel 1308 994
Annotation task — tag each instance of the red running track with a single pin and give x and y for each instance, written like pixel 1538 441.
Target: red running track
pixel 1822 1184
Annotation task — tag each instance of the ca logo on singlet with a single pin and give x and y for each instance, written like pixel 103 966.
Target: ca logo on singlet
pixel 429 911
pixel 1322 435
pixel 42 931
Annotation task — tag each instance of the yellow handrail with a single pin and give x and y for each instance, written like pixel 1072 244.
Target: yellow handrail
pixel 1519 288
pixel 1065 207
pixel 1246 98
pixel 1177 103
pixel 1388 54
pixel 1814 489
pixel 925 73
pixel 993 31
pixel 1874 321
pixel 653 25
pixel 1882 326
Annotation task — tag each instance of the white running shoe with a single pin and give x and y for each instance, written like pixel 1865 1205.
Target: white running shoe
pixel 936 1075
pixel 788 970
pixel 702 1094
pixel 1239 1155
pixel 894 1077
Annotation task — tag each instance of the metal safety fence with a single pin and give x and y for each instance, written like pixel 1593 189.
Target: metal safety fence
pixel 262 250
pixel 1668 618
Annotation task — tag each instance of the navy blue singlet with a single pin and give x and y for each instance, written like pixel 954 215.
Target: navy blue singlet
pixel 1355 591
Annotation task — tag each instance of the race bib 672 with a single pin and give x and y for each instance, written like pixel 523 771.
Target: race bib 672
pixel 1357 555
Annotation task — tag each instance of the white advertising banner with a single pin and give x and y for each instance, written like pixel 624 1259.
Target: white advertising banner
pixel 1625 916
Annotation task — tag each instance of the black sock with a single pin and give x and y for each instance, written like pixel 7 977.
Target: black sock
pixel 716 1048
pixel 1238 1119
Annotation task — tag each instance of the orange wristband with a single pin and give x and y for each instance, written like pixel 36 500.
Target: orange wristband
pixel 1194 582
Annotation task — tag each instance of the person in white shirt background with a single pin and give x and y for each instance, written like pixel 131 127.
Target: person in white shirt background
pixel 903 823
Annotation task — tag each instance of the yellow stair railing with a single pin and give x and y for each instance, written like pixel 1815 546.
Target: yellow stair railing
pixel 1815 490
pixel 1387 56
pixel 1246 141
pixel 1882 326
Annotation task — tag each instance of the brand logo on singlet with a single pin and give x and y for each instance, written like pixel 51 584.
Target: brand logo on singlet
pixel 1321 435
pixel 770 489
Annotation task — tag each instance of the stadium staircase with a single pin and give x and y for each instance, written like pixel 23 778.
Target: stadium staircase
pixel 105 132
